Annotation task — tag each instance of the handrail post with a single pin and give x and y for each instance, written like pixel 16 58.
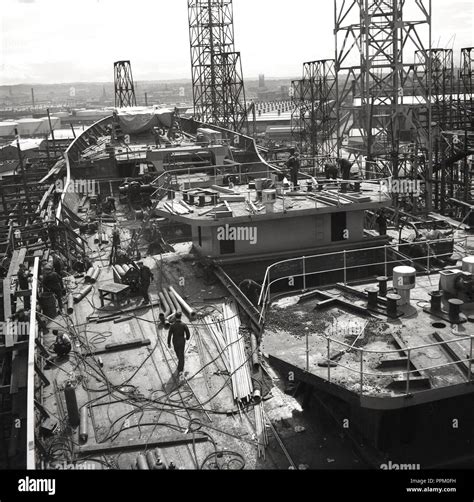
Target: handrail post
pixel 408 372
pixel 469 370
pixel 361 352
pixel 307 349
pixel 328 360
pixel 345 268
pixel 304 273
pixel 269 292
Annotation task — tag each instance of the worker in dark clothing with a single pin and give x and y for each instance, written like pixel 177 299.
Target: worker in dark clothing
pixel 115 245
pixel 52 234
pixel 62 346
pixel 179 333
pixel 294 164
pixel 53 283
pixel 346 167
pixel 330 170
pixel 157 138
pixel 23 284
pixel 381 221
pixel 145 278
pixel 57 264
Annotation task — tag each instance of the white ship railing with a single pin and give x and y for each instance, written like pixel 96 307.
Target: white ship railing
pixel 265 293
pixel 367 378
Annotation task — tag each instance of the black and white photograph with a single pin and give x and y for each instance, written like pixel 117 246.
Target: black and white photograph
pixel 237 235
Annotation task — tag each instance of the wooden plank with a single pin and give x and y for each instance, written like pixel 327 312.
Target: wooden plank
pixel 13 263
pixel 176 440
pixel 21 259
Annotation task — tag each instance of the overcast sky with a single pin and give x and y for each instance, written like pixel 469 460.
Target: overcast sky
pixel 54 41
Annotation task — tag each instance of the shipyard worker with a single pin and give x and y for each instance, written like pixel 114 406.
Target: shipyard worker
pixel 156 135
pixel 179 333
pixel 330 170
pixel 52 283
pixel 52 234
pixel 381 221
pixel 62 345
pixel 145 278
pixel 293 164
pixel 58 265
pixel 22 277
pixel 346 166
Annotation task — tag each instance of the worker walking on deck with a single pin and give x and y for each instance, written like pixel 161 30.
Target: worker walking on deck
pixel 179 334
pixel 146 277
pixel 53 283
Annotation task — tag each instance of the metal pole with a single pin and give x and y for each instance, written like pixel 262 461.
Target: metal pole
pixel 328 360
pixel 345 268
pixel 52 132
pixel 361 372
pixel 428 257
pixel 385 259
pixel 307 349
pixel 304 273
pixel 268 292
pixel 23 174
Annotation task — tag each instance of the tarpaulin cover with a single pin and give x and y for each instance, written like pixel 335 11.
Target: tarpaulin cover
pixel 137 119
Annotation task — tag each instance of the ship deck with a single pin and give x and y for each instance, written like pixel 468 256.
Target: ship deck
pixel 436 369
pixel 135 403
pixel 241 198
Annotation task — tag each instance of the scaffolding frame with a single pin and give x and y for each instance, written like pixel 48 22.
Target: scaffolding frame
pixel 124 85
pixel 216 68
pixel 373 38
pixel 466 108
